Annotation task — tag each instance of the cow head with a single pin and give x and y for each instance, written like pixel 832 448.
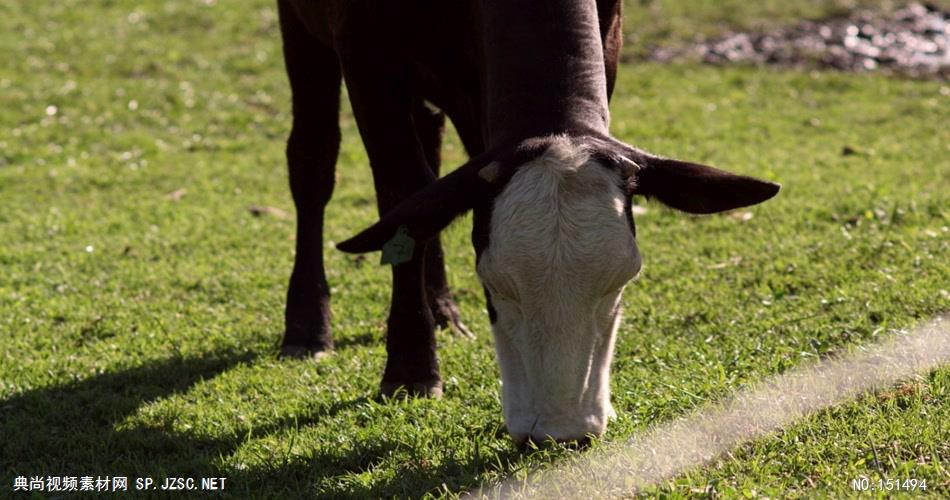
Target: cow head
pixel 556 244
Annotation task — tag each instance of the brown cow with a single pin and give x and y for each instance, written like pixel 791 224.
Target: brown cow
pixel 526 84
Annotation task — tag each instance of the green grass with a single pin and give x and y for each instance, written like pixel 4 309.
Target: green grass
pixel 138 333
pixel 896 434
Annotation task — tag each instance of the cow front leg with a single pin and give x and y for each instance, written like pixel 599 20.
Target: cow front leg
pixel 429 124
pixel 314 75
pixel 411 362
pixel 384 118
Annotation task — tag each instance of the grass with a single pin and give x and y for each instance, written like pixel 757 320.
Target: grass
pixel 141 302
pixel 897 434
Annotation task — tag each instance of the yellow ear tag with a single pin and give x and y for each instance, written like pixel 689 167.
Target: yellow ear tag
pixel 399 248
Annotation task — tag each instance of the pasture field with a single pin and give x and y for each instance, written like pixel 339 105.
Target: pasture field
pixel 141 300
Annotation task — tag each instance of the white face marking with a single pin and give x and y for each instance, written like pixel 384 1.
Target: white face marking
pixel 560 252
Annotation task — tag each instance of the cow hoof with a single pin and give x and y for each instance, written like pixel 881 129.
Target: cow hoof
pixel 446 315
pixel 291 351
pixel 399 390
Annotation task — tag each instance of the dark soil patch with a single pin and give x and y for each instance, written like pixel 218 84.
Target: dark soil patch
pixel 913 40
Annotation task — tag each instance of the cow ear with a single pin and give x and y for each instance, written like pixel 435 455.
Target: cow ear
pixel 426 212
pixel 698 189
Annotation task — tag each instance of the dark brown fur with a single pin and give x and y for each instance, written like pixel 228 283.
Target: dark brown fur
pixel 392 56
pixel 509 74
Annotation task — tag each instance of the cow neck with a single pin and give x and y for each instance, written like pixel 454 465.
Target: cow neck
pixel 544 69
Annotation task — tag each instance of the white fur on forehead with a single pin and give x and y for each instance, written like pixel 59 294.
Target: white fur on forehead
pixel 559 226
pixel 563 155
pixel 564 181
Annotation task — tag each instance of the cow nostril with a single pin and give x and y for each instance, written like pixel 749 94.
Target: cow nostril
pixel 524 445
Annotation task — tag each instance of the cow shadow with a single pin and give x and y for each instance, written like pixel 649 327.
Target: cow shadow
pixel 333 472
pixel 75 429
pixel 82 428
pixel 337 473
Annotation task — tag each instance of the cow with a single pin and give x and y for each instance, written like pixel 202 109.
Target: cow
pixel 526 84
